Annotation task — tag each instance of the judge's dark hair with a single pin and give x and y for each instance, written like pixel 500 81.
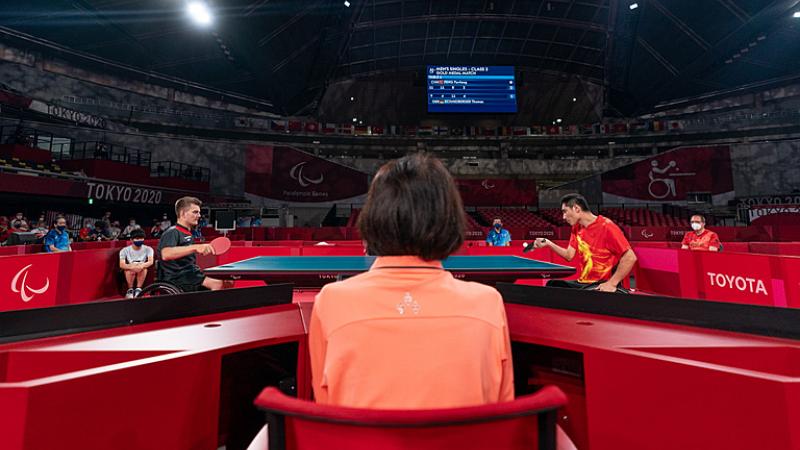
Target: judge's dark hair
pixel 413 208
pixel 575 199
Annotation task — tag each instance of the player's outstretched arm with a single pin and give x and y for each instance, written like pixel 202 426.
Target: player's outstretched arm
pixel 567 253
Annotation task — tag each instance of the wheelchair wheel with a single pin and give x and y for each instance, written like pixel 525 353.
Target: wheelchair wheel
pixel 160 288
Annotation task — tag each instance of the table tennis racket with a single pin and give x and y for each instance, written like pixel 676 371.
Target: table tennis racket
pixel 528 247
pixel 220 245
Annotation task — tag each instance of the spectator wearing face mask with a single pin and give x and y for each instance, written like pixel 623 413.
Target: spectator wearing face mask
pixel 498 236
pixel 114 230
pixel 4 230
pixel 132 225
pixel 40 229
pixel 165 223
pixel 135 260
pixel 84 234
pixel 155 230
pixel 700 238
pixel 101 232
pixel 19 223
pixel 57 239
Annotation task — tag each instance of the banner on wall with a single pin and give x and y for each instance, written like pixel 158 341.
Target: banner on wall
pixel 285 174
pixel 774 214
pixel 671 176
pixel 498 192
pixel 89 188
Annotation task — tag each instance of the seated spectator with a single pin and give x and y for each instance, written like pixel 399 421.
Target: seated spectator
pixel 132 225
pixel 203 221
pixel 165 223
pixel 84 234
pixel 135 260
pixel 700 238
pixel 40 229
pixel 5 231
pixel 19 223
pixel 256 222
pixel 100 232
pixel 498 236
pixel 57 239
pixel 155 230
pixel 107 218
pixel 114 230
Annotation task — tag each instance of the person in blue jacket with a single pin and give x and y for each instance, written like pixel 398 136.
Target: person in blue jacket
pixel 498 236
pixel 57 239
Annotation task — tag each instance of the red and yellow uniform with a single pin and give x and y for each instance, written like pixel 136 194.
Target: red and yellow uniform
pixel 701 241
pixel 407 335
pixel 599 247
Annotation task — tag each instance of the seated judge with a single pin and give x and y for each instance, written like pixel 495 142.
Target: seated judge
pixel 406 334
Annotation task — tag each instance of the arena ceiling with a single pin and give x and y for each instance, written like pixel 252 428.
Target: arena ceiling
pixel 289 51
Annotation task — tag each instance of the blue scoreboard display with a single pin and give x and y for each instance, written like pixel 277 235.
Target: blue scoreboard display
pixel 471 89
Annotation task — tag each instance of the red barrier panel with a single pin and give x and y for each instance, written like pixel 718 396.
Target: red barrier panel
pixel 30 281
pixel 767 280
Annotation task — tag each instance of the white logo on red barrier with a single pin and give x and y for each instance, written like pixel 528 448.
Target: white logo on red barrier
pixel 752 285
pixel 647 235
pixel 486 185
pixel 26 292
pixel 297 174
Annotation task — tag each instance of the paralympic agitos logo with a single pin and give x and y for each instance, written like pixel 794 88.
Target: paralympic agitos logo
pixel 296 173
pixel 19 285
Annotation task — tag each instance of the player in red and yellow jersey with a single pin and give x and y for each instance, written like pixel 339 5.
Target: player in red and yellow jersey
pixel 700 238
pixel 598 242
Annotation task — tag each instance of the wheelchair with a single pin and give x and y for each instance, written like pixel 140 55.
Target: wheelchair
pixel 159 288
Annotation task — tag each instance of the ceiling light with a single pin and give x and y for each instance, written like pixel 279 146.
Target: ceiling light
pixel 355 120
pixel 199 12
pixel 346 3
pixel 574 99
pixel 796 15
pixel 558 120
pixel 633 6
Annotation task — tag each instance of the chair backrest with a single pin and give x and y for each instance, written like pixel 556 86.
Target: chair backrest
pixel 529 422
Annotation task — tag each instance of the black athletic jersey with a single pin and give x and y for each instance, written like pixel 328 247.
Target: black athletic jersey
pixel 177 236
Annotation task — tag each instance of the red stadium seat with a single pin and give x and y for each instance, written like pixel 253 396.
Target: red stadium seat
pixel 528 422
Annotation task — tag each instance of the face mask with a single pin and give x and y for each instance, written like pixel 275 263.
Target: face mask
pixel 696 226
pixel 61 228
pixel 498 225
pixel 138 243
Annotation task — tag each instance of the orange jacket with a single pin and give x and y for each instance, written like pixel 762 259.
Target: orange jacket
pixel 407 335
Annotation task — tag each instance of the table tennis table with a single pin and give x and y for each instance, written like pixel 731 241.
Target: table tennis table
pixel 315 271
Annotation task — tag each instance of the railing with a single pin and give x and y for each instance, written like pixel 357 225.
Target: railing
pixel 106 151
pixel 33 138
pixel 173 169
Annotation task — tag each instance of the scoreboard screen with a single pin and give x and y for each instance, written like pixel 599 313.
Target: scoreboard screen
pixel 471 89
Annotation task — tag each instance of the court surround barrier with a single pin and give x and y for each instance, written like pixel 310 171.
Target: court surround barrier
pixel 761 273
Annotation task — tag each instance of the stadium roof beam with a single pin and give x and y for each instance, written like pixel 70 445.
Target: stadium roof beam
pixel 776 11
pixel 567 23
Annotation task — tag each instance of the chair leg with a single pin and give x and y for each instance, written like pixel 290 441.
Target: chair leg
pixel 276 431
pixel 547 431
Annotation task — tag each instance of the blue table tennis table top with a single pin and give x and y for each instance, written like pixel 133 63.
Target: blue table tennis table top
pixel 356 264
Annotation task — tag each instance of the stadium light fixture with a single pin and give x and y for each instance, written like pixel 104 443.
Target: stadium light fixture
pixel 633 6
pixel 346 4
pixel 558 121
pixel 796 15
pixel 199 13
